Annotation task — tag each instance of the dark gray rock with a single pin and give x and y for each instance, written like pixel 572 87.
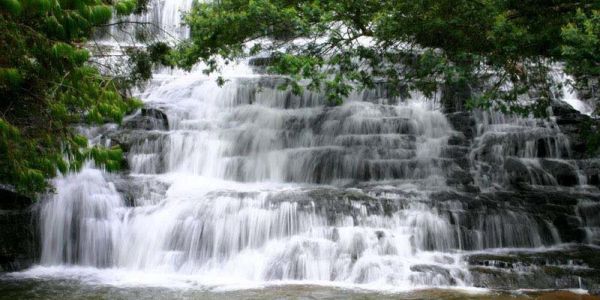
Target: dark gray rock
pixel 572 123
pixel 430 269
pixel 19 240
pixel 455 152
pixel 127 138
pixel 564 172
pixel 462 178
pixel 454 96
pixel 435 271
pixel 463 122
pixel 569 227
pixel 590 168
pixel 147 119
pixel 138 191
pixel 574 267
pixel 141 134
pixel 517 171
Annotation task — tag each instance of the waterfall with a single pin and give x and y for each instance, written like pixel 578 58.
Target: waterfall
pixel 519 145
pixel 162 20
pixel 247 183
pixel 259 186
pixel 76 231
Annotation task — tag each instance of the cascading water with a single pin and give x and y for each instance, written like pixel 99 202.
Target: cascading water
pixel 162 20
pixel 257 189
pixel 248 184
pixel 520 145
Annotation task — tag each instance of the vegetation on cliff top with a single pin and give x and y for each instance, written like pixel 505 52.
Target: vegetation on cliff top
pixel 498 50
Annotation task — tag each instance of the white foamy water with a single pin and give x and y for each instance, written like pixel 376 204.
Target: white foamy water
pixel 163 20
pixel 569 94
pixel 249 176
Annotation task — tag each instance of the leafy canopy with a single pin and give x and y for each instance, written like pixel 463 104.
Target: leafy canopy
pixel 499 50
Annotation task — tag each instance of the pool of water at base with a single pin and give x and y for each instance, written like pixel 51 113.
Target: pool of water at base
pixel 11 288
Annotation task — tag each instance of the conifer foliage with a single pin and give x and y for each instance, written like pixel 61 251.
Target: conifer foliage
pixel 47 85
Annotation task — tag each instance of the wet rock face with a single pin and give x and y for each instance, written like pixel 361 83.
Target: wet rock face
pixel 591 170
pixel 463 122
pixel 510 152
pixel 147 119
pixel 458 150
pixel 565 173
pixel 454 96
pixel 517 171
pixel 537 173
pixel 19 241
pixel 142 136
pixel 571 123
pixel 569 267
pixel 561 212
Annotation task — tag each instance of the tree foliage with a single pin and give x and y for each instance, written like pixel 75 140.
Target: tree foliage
pixel 47 84
pixel 581 47
pixel 500 50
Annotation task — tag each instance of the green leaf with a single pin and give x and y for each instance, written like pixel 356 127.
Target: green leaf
pixel 12 6
pixel 10 77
